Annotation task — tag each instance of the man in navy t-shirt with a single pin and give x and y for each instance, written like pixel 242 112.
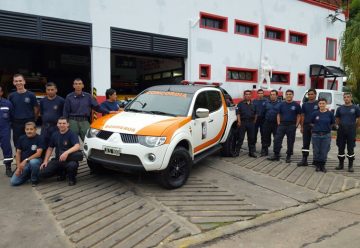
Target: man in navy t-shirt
pixel 111 103
pixel 65 142
pixel 26 107
pixel 307 108
pixel 260 103
pixel 28 153
pixel 288 119
pixel 51 109
pixel 348 120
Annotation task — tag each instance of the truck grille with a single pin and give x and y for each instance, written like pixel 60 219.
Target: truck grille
pixel 129 138
pixel 123 159
pixel 104 134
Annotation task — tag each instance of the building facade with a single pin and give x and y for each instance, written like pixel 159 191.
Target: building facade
pixel 130 45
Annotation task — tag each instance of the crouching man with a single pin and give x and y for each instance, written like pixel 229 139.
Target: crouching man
pixel 28 153
pixel 65 143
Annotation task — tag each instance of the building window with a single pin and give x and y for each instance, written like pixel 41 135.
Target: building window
pixel 331 48
pixel 297 38
pixel 273 33
pixel 279 77
pixel 331 85
pixel 246 28
pixel 301 79
pixel 241 75
pixel 204 71
pixel 213 22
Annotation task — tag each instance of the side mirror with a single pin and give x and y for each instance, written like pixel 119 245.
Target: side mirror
pixel 202 113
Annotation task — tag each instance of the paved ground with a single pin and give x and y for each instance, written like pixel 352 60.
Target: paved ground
pixel 119 210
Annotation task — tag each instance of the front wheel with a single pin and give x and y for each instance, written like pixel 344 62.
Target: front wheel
pixel 177 172
pixel 230 147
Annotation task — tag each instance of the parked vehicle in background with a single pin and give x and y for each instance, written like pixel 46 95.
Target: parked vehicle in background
pixel 334 98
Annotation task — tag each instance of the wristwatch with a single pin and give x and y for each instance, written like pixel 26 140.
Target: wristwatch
pixel 26 159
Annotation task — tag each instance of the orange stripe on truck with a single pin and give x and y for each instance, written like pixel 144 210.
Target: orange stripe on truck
pixel 164 128
pixel 219 135
pixel 99 123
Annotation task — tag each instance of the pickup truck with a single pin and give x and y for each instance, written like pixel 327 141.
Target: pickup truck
pixel 166 129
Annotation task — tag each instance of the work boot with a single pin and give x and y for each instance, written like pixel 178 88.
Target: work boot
pixel 322 167
pixel 252 155
pixel 288 159
pixel 317 166
pixel 275 157
pixel 341 163
pixel 8 171
pixel 264 151
pixel 303 161
pixel 351 161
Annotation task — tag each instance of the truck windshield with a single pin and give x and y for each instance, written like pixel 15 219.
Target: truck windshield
pixel 327 96
pixel 161 102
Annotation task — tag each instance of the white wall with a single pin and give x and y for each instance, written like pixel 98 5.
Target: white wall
pixel 181 18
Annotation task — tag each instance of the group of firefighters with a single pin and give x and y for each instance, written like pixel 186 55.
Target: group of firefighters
pixel 279 118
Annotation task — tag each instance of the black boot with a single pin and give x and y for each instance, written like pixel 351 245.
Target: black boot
pixel 303 161
pixel 341 163
pixel 275 157
pixel 317 166
pixel 264 151
pixel 322 167
pixel 8 171
pixel 288 159
pixel 252 155
pixel 351 162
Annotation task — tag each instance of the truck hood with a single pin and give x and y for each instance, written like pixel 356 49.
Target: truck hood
pixel 140 123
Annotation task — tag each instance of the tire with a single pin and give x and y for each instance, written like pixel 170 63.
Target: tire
pixel 95 168
pixel 177 172
pixel 229 148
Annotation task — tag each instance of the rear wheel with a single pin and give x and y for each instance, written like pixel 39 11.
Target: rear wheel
pixel 178 169
pixel 95 168
pixel 229 148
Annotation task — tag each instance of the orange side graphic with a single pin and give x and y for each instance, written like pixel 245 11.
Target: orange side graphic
pixel 99 123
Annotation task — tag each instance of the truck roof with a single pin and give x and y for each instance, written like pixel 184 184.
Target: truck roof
pixel 178 88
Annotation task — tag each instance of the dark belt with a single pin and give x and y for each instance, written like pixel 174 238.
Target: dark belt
pixel 287 123
pixel 79 118
pixel 321 133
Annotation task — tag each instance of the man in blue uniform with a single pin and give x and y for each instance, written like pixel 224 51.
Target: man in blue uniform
pixel 111 103
pixel 307 108
pixel 77 108
pixel 51 109
pixel 260 106
pixel 270 121
pixel 65 142
pixel 6 109
pixel 26 107
pixel 288 119
pixel 28 156
pixel 348 120
pixel 246 118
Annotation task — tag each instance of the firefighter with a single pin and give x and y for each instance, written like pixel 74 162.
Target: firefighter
pixel 307 108
pixel 6 109
pixel 260 103
pixel 288 119
pixel 246 118
pixel 347 119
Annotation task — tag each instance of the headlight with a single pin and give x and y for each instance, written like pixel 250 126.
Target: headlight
pixel 151 141
pixel 92 132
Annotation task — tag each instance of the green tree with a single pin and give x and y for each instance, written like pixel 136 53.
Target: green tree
pixel 350 49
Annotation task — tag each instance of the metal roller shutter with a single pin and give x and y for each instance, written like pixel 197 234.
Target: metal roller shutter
pixel 128 40
pixel 18 25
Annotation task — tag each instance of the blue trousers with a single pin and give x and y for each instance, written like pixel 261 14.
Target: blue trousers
pixel 290 132
pixel 31 171
pixel 321 146
pixel 5 134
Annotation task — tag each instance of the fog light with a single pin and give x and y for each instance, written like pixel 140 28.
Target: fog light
pixel 85 147
pixel 151 157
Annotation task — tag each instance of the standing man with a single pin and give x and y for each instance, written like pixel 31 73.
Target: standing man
pixel 6 109
pixel 270 121
pixel 246 118
pixel 308 108
pixel 65 142
pixel 348 119
pixel 51 109
pixel 111 103
pixel 26 107
pixel 77 108
pixel 260 107
pixel 288 118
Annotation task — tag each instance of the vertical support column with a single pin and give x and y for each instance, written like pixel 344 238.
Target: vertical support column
pixel 100 71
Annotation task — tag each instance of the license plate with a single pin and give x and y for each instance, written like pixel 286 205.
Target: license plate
pixel 112 151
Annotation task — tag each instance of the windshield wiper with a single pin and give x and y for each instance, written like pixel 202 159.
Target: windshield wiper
pixel 134 110
pixel 160 113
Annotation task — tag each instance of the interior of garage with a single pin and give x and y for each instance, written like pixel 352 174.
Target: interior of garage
pixel 42 62
pixel 132 73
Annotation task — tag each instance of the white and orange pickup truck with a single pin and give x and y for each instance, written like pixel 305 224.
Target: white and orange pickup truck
pixel 167 129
